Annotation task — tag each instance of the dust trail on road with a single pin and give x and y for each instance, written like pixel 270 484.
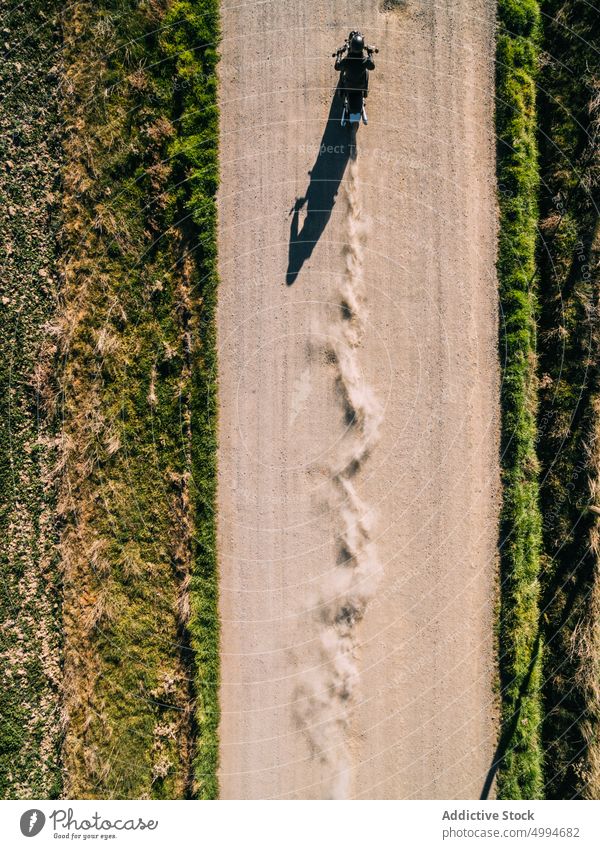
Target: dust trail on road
pixel 324 705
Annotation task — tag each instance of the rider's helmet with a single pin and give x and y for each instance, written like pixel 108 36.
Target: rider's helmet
pixel 357 44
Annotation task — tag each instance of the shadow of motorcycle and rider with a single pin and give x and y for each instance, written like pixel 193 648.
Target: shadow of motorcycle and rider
pixel 336 149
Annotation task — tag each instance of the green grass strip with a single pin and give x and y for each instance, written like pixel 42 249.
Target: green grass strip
pixel 191 40
pixel 139 400
pixel 30 623
pixel 519 754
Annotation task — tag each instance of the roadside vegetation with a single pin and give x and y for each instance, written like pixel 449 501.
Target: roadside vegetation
pixel 569 417
pixel 519 755
pixel 548 110
pixel 30 627
pixel 137 399
pixel 109 635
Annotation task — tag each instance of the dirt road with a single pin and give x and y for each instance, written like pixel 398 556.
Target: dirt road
pixel 358 484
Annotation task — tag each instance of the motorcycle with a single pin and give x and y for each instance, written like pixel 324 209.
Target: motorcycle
pixel 354 99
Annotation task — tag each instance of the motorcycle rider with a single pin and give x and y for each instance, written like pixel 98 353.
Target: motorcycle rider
pixel 354 66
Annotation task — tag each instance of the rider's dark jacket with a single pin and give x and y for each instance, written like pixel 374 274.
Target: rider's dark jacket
pixel 355 70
